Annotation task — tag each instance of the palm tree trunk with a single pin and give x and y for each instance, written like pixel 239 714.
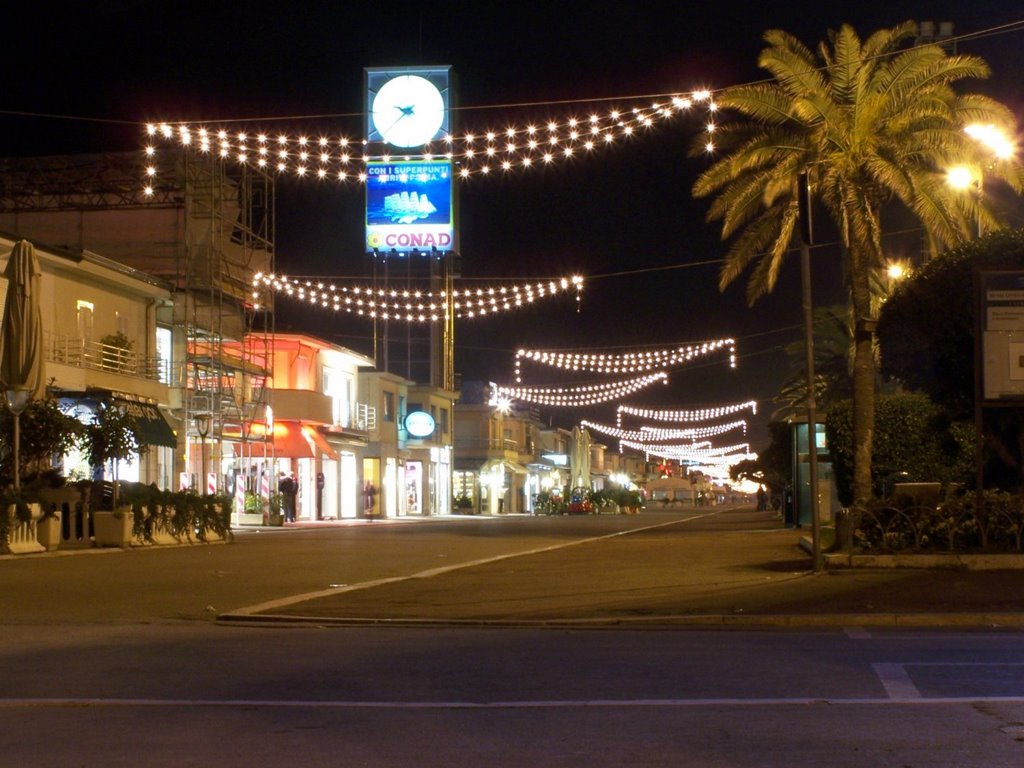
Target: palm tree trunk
pixel 863 377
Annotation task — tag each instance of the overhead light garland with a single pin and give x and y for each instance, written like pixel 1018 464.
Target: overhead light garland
pixel 687 453
pixel 413 305
pixel 476 154
pixel 629 362
pixel 645 434
pixel 702 414
pixel 572 397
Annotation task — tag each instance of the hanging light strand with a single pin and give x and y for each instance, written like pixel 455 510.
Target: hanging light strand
pixel 629 362
pixel 686 453
pixel 409 304
pixel 645 434
pixel 581 396
pixel 702 414
pixel 476 153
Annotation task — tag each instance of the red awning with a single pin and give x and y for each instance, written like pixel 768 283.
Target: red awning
pixel 296 440
pixel 321 442
pixel 289 442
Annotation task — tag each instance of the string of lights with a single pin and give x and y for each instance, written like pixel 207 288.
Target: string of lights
pixel 475 153
pixel 645 434
pixel 581 396
pixel 687 453
pixel 413 305
pixel 629 362
pixel 701 414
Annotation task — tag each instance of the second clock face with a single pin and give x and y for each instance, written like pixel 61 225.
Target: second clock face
pixel 408 111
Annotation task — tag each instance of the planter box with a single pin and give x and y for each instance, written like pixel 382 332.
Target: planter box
pixel 113 529
pixel 250 518
pixel 21 537
pixel 162 534
pixel 48 532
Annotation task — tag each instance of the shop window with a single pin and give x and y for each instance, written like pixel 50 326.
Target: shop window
pixel 389 406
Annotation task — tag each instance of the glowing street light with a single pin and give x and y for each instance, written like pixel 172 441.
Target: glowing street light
pixel 993 138
pixel 896 271
pixel 963 177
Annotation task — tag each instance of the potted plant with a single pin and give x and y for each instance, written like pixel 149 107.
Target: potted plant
pixel 463 504
pixel 116 349
pixel 253 509
pixel 48 528
pixel 112 438
pixel 630 502
pixel 275 508
pixel 19 516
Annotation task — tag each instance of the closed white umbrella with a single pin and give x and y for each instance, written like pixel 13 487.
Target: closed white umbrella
pixel 580 458
pixel 21 341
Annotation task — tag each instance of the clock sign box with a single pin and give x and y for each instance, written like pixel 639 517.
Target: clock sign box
pixel 409 202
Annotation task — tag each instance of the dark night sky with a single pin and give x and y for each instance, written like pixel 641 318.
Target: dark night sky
pixel 86 80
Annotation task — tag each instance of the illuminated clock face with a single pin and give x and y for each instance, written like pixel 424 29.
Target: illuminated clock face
pixel 408 111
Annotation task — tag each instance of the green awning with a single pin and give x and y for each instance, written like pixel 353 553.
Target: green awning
pixel 151 426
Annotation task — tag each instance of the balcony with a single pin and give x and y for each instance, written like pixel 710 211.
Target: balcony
pixel 77 353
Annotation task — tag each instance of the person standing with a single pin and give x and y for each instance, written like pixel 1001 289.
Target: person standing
pixel 286 487
pixel 294 492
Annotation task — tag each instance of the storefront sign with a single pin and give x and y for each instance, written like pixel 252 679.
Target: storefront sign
pixel 419 424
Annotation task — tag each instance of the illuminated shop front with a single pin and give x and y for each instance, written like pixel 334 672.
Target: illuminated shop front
pixel 152 431
pixel 427 482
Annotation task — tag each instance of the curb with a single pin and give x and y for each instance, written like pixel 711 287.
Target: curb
pixel 703 621
pixel 926 562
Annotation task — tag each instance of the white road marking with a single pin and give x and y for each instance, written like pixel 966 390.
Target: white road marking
pixel 896 681
pixel 286 601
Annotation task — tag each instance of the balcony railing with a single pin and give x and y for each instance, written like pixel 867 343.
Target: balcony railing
pixel 365 417
pixel 76 352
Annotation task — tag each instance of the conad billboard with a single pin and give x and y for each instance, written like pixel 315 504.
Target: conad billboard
pixel 409 206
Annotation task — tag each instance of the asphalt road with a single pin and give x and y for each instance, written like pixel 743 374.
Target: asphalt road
pixel 115 659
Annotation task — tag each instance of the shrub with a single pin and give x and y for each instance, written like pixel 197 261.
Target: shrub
pixel 913 441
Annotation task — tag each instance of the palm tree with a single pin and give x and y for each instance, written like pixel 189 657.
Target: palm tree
pixel 871 122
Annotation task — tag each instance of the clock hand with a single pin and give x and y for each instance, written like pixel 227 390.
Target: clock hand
pixel 396 120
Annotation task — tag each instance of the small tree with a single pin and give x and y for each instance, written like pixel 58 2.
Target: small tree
pixel 45 431
pixel 112 438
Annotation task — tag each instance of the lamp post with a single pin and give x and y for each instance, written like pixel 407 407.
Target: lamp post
pixel 17 401
pixel 806 236
pixel 203 428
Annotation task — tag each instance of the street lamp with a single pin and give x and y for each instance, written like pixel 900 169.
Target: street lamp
pixel 964 177
pixel 203 428
pixel 17 401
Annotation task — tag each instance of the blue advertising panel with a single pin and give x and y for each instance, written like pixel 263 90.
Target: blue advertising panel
pixel 409 206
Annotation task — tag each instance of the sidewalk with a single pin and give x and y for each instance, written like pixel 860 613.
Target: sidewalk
pixel 743 570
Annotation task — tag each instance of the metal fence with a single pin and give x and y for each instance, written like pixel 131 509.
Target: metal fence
pixel 954 526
